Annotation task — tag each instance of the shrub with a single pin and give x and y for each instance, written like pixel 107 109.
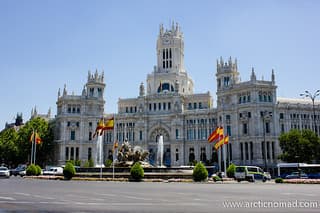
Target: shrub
pixel 278 180
pixel 69 171
pixel 31 170
pixel 216 178
pixel 137 172
pixel 108 163
pixel 38 170
pixel 231 170
pixel 200 172
pixel 88 163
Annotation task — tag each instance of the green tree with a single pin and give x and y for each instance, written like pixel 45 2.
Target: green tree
pixel 299 146
pixel 45 150
pixel 8 147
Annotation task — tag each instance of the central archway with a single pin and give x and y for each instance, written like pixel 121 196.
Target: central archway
pixel 153 145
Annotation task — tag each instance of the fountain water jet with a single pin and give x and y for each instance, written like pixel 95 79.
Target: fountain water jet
pixel 99 156
pixel 160 152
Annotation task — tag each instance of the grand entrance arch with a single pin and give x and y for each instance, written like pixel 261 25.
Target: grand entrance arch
pixel 153 146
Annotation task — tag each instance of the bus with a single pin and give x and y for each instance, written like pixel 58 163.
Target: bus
pixel 289 170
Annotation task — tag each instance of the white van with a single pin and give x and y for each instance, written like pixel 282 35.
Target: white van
pixel 55 170
pixel 250 173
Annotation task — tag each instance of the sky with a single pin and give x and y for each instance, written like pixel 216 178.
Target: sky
pixel 45 44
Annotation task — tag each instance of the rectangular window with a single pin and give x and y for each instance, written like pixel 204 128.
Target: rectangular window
pixel 90 136
pixel 150 108
pixel 164 106
pixel 273 151
pixel 140 135
pixel 77 153
pixel 262 150
pixel 72 154
pixel 169 106
pixel 251 150
pixel 177 133
pixel 241 150
pixel 267 127
pixel 72 135
pixel 281 115
pixel 246 150
pixel 245 129
pixel 200 105
pixel 154 106
pixel 195 105
pixel 229 130
pixel 159 106
pixel 89 153
pixel 67 153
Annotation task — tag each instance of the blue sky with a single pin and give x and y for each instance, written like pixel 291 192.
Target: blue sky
pixel 45 44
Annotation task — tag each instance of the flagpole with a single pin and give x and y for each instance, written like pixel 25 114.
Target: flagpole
pixel 32 139
pixel 219 154
pixel 35 149
pixel 114 150
pixel 101 147
pixel 224 159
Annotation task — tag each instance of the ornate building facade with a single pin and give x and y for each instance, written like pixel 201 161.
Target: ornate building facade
pixel 250 113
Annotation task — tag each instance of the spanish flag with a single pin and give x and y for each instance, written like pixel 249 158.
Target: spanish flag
pixel 32 137
pixel 38 139
pixel 115 146
pixel 216 134
pixel 109 124
pixel 35 137
pixel 99 128
pixel 224 140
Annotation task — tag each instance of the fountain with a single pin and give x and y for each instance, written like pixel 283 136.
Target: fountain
pixel 160 152
pixel 127 156
pixel 99 156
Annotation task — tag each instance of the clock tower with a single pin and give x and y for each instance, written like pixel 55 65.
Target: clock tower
pixel 170 76
pixel 170 49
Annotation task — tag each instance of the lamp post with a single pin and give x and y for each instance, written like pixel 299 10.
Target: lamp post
pixel 313 96
pixel 265 116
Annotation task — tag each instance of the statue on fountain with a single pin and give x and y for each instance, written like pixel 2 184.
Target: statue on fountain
pixel 127 155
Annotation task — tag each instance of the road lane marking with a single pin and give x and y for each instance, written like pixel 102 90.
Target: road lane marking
pixel 7 198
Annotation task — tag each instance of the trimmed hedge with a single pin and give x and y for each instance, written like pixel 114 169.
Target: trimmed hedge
pixel 200 173
pixel 33 170
pixel 231 170
pixel 278 180
pixel 69 171
pixel 137 172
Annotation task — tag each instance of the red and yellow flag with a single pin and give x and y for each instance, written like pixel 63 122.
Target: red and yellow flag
pixel 115 146
pixel 216 134
pixel 38 139
pixel 109 124
pixel 99 128
pixel 224 140
pixel 35 137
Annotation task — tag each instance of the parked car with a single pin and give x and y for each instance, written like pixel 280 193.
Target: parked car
pixel 4 172
pixel 297 175
pixel 17 170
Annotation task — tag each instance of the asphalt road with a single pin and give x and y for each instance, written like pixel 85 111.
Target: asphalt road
pixel 30 195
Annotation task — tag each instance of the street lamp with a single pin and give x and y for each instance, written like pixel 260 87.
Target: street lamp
pixel 265 116
pixel 307 94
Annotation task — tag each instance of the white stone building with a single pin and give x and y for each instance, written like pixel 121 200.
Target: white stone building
pixel 250 113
